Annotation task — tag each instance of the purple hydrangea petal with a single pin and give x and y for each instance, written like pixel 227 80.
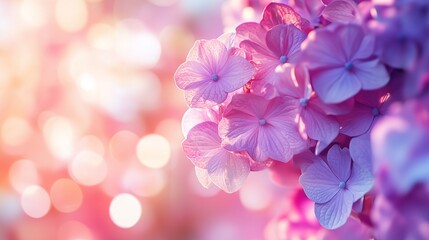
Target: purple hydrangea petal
pixel 319 183
pixel 319 126
pixel 372 74
pixel 360 182
pixel 360 151
pixel 339 161
pixel 357 122
pixel 335 85
pixel 400 53
pixel 320 55
pixel 335 213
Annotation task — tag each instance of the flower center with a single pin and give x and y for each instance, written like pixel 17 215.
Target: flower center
pixel 303 102
pixel 375 112
pixel 348 65
pixel 262 122
pixel 283 59
pixel 342 185
pixel 215 77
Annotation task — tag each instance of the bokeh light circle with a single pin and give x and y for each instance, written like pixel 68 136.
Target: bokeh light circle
pixel 125 210
pixel 66 195
pixel 71 16
pixel 23 173
pixel 35 201
pixel 153 151
pixel 88 168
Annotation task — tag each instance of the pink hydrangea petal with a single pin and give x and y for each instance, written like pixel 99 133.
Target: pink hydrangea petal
pixel 203 177
pixel 372 74
pixel 191 75
pixel 285 40
pixel 206 96
pixel 319 183
pixel 309 9
pixel 335 213
pixel 251 31
pixel 319 126
pixel 193 52
pixel 228 39
pixel 202 143
pixel 256 106
pixel 278 13
pixel 212 54
pixel 270 146
pixel 228 171
pixel 357 122
pixel 339 161
pixel 360 182
pixel 235 73
pixel 238 130
pixel 195 116
pixel 335 85
pixel 341 11
pixel 360 151
pixel 241 130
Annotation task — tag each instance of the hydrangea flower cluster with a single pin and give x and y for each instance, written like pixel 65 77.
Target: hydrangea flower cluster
pixel 338 88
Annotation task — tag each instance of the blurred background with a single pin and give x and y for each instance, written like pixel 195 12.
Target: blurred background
pixel 90 124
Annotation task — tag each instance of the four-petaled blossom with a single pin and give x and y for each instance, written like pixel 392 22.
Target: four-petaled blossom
pixel 264 128
pixel 225 169
pixel 313 113
pixel 282 45
pixel 210 72
pixel 341 61
pixel 334 186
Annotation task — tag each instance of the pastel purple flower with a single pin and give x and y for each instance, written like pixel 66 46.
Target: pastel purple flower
pixel 282 45
pixel 317 123
pixel 399 143
pixel 334 186
pixel 264 128
pixel 401 217
pixel 341 62
pixel 210 72
pixel 226 169
pixel 369 106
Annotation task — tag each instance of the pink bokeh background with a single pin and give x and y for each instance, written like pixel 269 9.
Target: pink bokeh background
pixel 90 125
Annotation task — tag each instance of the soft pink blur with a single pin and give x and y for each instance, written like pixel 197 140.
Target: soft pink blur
pixel 90 124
